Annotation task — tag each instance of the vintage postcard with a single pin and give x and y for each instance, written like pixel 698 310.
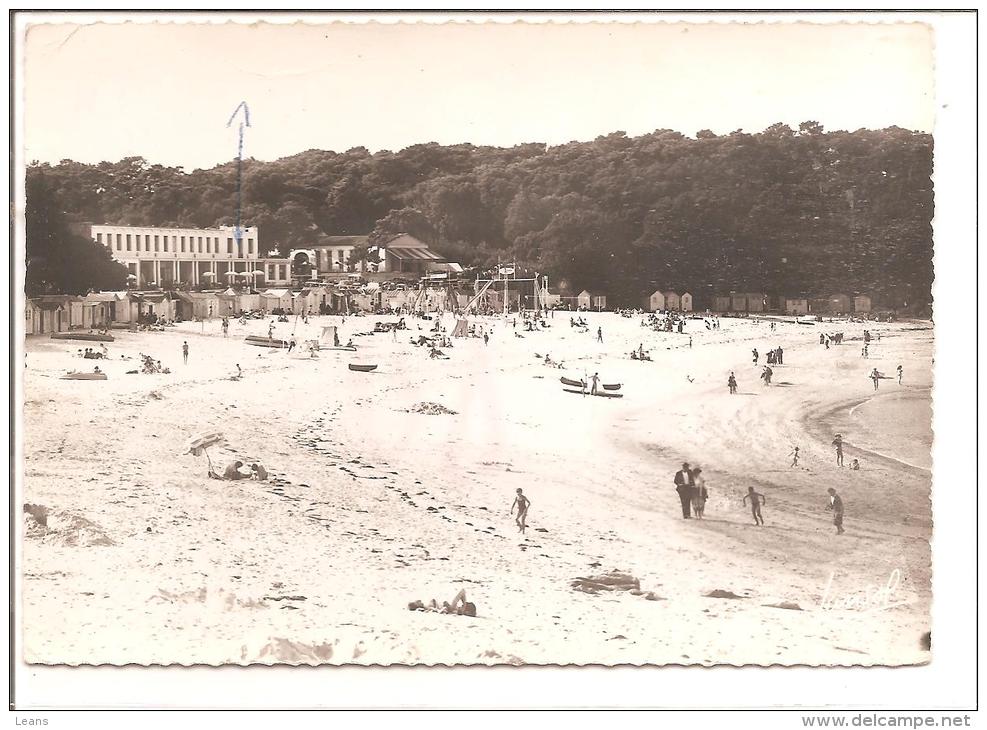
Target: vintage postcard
pixel 376 342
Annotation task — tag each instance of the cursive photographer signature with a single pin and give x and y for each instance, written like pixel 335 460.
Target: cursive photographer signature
pixel 879 598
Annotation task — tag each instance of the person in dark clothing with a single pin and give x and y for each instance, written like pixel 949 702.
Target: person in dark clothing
pixel 684 485
pixel 838 443
pixel 836 505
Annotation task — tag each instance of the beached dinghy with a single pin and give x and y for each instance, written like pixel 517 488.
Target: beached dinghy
pixel 362 368
pixel 342 348
pixel 265 341
pixel 572 383
pixel 84 376
pixel 598 394
pixel 611 386
pixel 85 336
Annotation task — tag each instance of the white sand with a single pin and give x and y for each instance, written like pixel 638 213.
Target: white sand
pixel 386 506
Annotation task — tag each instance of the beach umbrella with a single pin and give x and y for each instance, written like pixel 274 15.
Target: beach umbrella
pixel 208 274
pixel 199 444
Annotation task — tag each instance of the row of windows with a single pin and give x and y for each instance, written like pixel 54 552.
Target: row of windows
pixel 179 244
pixel 329 255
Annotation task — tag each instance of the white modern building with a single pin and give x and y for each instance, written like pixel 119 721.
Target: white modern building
pixel 194 256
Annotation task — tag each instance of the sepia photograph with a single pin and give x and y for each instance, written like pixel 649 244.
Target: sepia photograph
pixel 365 341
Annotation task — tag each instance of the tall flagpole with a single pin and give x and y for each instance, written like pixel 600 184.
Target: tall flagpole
pixel 245 122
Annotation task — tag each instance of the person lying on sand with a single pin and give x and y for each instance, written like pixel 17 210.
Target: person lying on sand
pixel 459 606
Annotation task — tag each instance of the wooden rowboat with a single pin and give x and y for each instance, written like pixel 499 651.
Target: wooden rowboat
pixel 362 368
pixel 265 341
pixel 572 383
pixel 85 336
pixel 84 376
pixel 611 386
pixel 598 394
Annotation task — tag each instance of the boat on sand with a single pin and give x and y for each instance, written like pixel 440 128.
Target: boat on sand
pixel 598 394
pixel 85 336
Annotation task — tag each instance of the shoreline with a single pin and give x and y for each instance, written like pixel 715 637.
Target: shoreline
pixel 836 418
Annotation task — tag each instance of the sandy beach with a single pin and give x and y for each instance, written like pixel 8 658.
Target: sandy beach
pixel 371 505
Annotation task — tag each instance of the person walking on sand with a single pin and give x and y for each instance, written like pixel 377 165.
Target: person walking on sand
pixel 599 334
pixel 757 499
pixel 486 338
pixel 756 355
pixel 699 493
pixel 836 505
pixel 684 483
pixel 899 374
pixel 732 383
pixel 522 503
pixel 795 457
pixel 875 376
pixel 838 443
pixel 185 352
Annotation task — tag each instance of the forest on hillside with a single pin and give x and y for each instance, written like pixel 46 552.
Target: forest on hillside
pixel 784 211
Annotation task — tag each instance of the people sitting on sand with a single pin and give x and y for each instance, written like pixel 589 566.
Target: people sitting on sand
pixel 855 465
pixel 258 472
pixel 459 606
pixel 97 371
pixel 233 473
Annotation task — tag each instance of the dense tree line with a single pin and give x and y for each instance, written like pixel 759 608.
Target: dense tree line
pixel 61 260
pixel 784 211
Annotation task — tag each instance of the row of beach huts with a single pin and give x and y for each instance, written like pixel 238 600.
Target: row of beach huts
pixel 743 303
pixel 62 312
pixel 740 303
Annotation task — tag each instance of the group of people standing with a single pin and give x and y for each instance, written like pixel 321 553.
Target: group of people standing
pixel 774 357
